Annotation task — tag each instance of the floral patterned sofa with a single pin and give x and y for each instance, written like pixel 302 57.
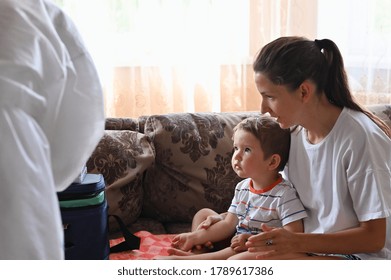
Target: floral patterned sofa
pixel 161 169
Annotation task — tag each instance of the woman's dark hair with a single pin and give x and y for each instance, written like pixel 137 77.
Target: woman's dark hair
pixel 273 138
pixel 289 61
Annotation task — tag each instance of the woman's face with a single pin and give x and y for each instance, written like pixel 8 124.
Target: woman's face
pixel 279 102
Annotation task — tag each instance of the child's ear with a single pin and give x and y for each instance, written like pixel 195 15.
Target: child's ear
pixel 274 161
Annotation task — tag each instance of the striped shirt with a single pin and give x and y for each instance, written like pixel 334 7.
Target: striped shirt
pixel 275 206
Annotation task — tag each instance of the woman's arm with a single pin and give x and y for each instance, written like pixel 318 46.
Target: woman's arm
pixel 368 237
pixel 238 242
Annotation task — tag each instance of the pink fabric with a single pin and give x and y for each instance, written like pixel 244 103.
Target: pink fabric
pixel 150 247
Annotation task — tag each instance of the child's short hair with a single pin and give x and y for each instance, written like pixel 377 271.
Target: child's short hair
pixel 273 138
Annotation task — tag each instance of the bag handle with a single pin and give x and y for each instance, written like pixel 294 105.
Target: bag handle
pixel 131 241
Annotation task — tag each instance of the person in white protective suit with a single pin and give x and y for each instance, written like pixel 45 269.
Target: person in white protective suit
pixel 51 119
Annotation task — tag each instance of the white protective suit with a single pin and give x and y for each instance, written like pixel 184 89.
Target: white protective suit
pixel 51 119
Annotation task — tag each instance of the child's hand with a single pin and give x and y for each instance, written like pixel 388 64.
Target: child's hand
pixel 238 242
pixel 207 246
pixel 210 220
pixel 184 241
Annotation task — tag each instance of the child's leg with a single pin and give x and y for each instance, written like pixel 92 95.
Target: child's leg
pixel 246 255
pixel 218 255
pixel 211 216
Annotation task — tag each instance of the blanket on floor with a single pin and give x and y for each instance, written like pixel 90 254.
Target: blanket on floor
pixel 150 246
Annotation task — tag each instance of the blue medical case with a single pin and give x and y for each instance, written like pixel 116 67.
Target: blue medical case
pixel 84 214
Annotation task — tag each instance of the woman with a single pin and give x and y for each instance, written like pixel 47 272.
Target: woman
pixel 339 159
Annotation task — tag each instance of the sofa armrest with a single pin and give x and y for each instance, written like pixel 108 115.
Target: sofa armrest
pixel 122 156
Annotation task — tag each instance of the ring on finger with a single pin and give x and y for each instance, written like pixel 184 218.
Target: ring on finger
pixel 269 242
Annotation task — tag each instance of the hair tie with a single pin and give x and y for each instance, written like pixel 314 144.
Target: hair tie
pixel 319 44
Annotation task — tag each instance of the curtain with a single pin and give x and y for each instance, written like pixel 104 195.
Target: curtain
pixel 168 56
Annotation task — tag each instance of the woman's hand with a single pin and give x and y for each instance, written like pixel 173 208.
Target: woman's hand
pixel 238 242
pixel 273 243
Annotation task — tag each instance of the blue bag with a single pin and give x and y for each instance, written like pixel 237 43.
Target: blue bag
pixel 84 214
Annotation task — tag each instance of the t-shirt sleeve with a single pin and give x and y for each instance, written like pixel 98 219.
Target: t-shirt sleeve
pixel 368 174
pixel 290 208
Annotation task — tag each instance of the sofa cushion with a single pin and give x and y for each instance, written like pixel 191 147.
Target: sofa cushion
pixel 122 157
pixel 133 124
pixel 192 168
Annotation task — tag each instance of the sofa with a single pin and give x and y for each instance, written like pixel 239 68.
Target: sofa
pixel 161 169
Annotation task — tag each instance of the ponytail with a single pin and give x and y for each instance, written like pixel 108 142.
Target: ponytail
pixel 336 83
pixel 336 87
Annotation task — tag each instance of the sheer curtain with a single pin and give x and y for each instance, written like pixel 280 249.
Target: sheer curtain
pixel 165 56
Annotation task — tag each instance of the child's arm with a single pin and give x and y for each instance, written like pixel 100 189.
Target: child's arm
pixel 296 226
pixel 216 232
pixel 238 242
pixel 210 220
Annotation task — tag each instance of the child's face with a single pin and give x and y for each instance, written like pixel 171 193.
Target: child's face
pixel 248 157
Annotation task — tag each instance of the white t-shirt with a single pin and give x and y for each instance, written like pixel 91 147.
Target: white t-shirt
pixel 51 118
pixel 345 178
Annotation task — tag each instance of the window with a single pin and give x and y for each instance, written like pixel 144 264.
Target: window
pixel 363 34
pixel 164 56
